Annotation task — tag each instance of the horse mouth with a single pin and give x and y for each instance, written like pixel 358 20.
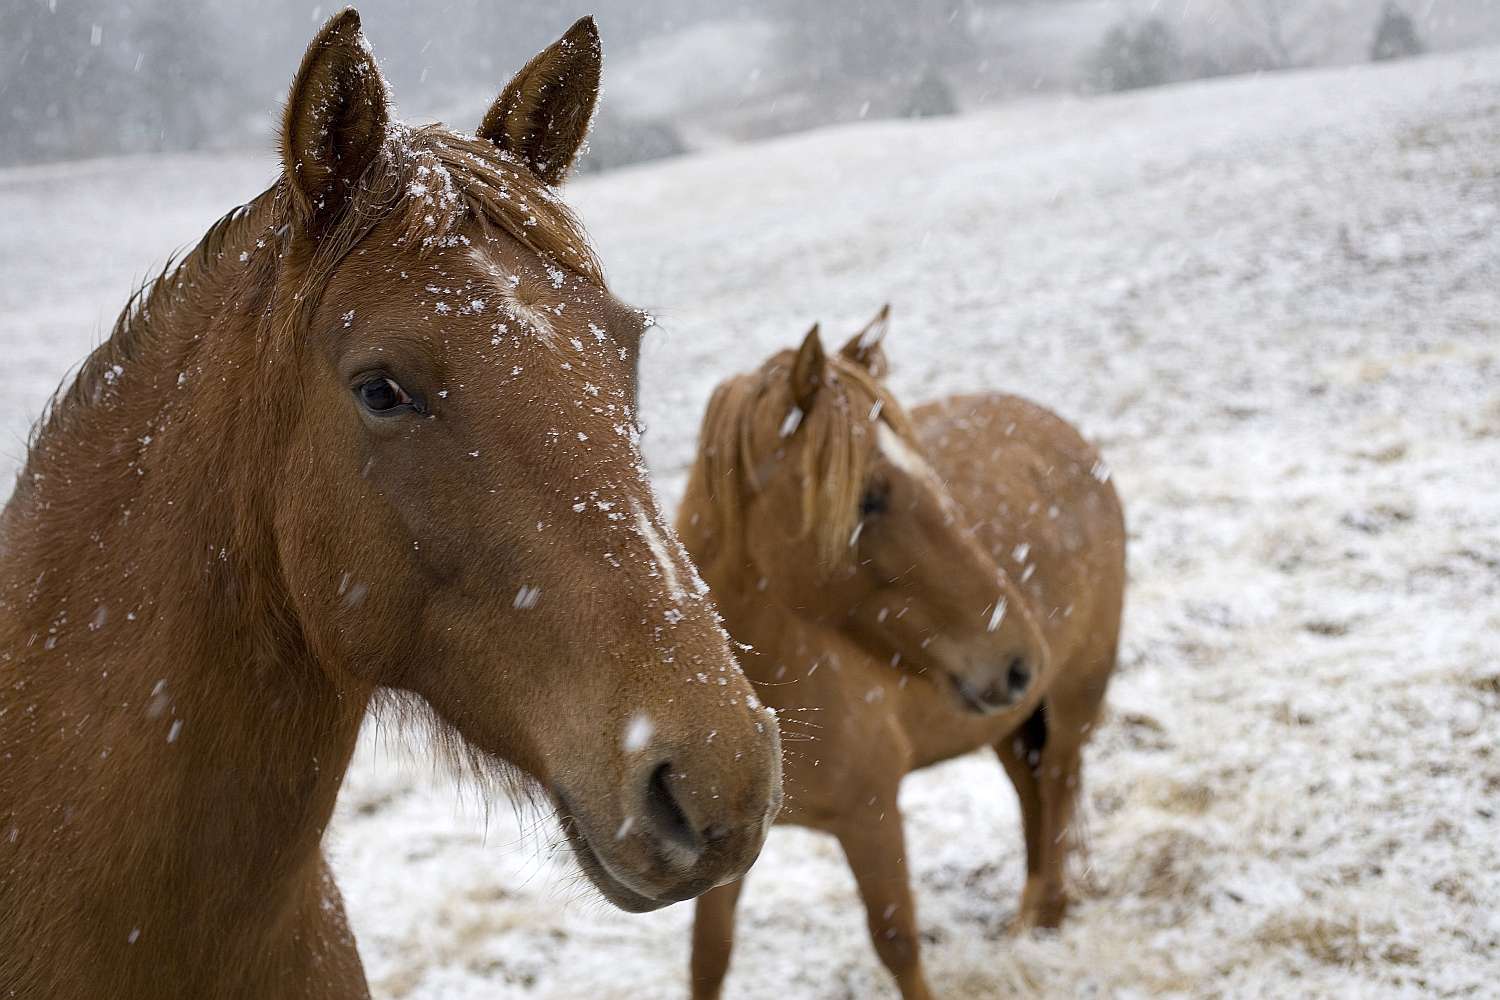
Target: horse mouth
pixel 616 886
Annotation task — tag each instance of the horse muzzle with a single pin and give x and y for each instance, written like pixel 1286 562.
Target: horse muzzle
pixel 995 689
pixel 679 836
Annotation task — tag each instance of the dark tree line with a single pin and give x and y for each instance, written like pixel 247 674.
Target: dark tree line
pixel 1147 52
pixel 91 76
pixel 877 39
pixel 98 77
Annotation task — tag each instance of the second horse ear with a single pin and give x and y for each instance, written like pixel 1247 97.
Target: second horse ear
pixel 543 115
pixel 808 370
pixel 864 348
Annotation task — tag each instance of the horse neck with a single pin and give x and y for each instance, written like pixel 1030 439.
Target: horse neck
pixel 725 565
pixel 171 747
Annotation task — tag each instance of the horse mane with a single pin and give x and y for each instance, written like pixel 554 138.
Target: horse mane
pixel 429 180
pixel 748 419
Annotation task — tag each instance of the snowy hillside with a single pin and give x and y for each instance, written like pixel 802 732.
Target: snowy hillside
pixel 1275 303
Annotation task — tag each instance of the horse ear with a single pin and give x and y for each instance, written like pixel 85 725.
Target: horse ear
pixel 543 115
pixel 336 117
pixel 864 348
pixel 808 371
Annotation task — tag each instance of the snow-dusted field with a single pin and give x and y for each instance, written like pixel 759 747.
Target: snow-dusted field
pixel 1275 303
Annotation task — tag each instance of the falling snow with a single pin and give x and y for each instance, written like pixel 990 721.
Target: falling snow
pixel 638 733
pixel 1271 301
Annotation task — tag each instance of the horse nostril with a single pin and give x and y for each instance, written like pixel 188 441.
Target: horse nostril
pixel 1017 678
pixel 664 814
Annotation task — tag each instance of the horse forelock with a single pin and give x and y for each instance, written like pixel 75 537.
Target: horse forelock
pixel 447 177
pixel 429 182
pixel 751 418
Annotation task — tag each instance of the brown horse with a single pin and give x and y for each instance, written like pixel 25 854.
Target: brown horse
pixel 376 433
pixel 919 585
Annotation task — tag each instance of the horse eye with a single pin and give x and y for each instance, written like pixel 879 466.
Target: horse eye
pixel 382 395
pixel 872 502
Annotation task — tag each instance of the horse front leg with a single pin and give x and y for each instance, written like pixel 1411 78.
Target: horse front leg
pixel 713 939
pixel 875 846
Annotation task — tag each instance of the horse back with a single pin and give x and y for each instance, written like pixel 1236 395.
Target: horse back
pixel 1042 503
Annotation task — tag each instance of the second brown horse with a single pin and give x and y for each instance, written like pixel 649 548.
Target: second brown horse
pixel 920 585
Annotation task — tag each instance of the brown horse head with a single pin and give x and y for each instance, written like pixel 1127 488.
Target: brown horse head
pixel 461 509
pixel 815 479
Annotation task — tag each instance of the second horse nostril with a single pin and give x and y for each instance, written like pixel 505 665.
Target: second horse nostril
pixel 664 817
pixel 1018 677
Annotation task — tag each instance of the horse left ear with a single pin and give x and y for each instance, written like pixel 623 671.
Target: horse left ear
pixel 809 370
pixel 864 348
pixel 543 115
pixel 336 117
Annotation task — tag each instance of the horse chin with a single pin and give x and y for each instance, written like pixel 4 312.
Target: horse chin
pixel 611 886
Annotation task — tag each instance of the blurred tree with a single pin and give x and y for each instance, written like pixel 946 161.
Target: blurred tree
pixel 60 78
pixel 931 97
pixel 1136 53
pixel 181 85
pixel 1267 22
pixel 1396 35
pixel 618 142
pixel 877 39
pixel 93 77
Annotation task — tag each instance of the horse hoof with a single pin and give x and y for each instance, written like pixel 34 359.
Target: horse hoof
pixel 1039 912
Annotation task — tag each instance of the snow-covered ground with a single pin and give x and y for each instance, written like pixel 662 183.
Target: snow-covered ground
pixel 1274 302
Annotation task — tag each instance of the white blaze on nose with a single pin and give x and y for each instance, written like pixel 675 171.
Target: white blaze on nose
pixel 659 552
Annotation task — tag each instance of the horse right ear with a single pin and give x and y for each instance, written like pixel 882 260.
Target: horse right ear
pixel 809 370
pixel 543 115
pixel 864 347
pixel 336 118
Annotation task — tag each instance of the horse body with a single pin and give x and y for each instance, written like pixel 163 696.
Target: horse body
pixel 173 749
pixel 374 436
pixel 1036 498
